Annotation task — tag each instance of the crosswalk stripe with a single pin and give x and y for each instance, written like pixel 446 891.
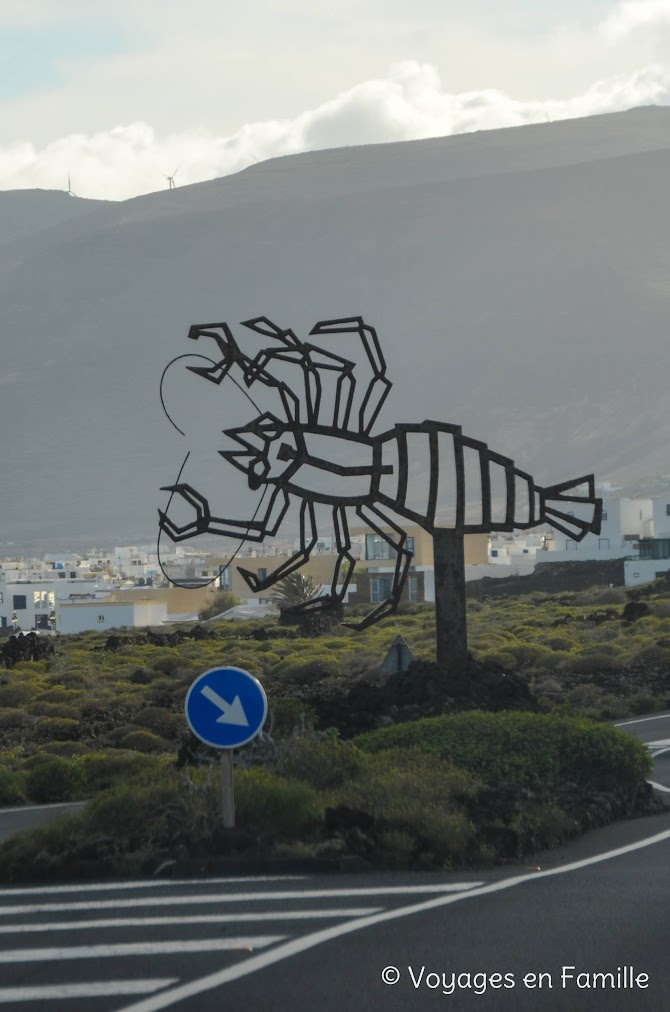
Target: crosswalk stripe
pixel 149 883
pixel 141 922
pixel 223 897
pixel 243 943
pixel 90 989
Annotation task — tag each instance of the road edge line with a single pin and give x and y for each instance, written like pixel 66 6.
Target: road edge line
pixel 299 945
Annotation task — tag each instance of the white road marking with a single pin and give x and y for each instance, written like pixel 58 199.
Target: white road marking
pixel 298 945
pixel 92 989
pixel 149 883
pixel 41 808
pixel 642 720
pixel 221 898
pixel 141 922
pixel 659 787
pixel 42 955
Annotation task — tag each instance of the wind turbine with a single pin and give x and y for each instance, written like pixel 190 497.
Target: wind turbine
pixel 171 183
pixel 70 191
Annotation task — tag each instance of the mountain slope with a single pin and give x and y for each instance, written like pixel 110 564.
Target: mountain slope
pixel 519 281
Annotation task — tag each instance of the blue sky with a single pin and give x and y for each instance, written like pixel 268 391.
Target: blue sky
pixel 33 60
pixel 118 91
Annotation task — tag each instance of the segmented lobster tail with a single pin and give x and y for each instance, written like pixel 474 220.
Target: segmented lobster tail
pixel 572 507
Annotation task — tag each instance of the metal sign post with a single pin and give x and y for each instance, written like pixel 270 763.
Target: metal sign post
pixel 450 620
pixel 227 789
pixel 226 708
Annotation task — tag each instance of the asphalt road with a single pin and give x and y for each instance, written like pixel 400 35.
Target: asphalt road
pixel 467 942
pixel 655 731
pixel 13 820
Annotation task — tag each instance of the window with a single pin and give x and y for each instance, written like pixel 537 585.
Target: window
pixel 380 588
pixel 604 515
pixel 262 574
pixel 224 578
pixel 377 547
pixel 101 618
pixel 413 584
pixel 667 509
pixel 19 602
pixel 73 575
pixel 2 597
pixel 603 542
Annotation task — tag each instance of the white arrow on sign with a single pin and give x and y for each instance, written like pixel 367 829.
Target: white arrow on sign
pixel 231 713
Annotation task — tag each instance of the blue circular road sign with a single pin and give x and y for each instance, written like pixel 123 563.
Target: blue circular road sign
pixel 226 707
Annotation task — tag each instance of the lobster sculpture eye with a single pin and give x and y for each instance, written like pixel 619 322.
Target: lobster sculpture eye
pixel 286 452
pixel 258 472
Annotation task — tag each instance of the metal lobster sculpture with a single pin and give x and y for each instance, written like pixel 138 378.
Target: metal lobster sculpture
pixel 283 454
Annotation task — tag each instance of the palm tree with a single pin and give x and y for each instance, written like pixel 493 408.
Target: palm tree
pixel 295 589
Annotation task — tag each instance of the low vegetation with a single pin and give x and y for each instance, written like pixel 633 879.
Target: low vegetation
pixel 432 782
pixel 454 791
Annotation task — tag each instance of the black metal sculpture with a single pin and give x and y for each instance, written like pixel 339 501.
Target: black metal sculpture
pixel 293 457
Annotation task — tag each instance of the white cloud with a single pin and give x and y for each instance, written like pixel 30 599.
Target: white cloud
pixel 410 103
pixel 632 15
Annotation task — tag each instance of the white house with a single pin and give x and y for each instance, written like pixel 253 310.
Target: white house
pixel 653 559
pixel 624 522
pixel 27 603
pixel 79 616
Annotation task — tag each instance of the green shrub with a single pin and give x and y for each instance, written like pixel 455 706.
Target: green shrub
pixel 142 676
pixel 529 654
pixel 645 702
pixel 653 656
pixel 271 807
pixel 56 728
pixel 587 663
pixel 540 826
pixel 12 787
pixel 56 779
pixel 143 816
pixel 504 658
pixel 13 717
pixel 525 749
pixel 322 760
pixel 414 793
pixel 106 769
pixel 307 669
pixel 166 664
pixel 548 687
pixel 159 720
pixel 59 694
pixel 64 748
pixel 117 733
pixel 560 643
pixel 17 693
pixel 223 601
pixel 586 694
pixel 143 741
pixel 287 716
pixel 66 710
